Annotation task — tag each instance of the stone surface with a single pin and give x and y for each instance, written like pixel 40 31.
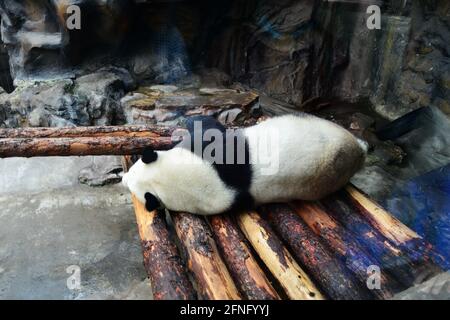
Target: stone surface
pixel 48 222
pixel 437 288
pixel 92 99
pixel 103 171
pixel 169 105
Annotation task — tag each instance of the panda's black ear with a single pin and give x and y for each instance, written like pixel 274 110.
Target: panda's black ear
pixel 149 155
pixel 151 202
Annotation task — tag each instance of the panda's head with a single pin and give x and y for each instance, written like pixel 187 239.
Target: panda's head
pixel 140 177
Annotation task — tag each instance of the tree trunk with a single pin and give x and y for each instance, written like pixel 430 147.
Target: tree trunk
pixel 162 261
pixel 213 279
pixel 404 239
pixel 329 272
pixel 292 278
pixel 345 246
pixel 83 146
pixel 246 272
pixel 77 132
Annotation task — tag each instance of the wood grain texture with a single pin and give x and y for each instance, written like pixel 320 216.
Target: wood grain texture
pixel 391 257
pixel 412 245
pixel 292 278
pixel 248 276
pixel 345 246
pixel 93 131
pixel 81 146
pixel 203 259
pixel 321 264
pixel 162 261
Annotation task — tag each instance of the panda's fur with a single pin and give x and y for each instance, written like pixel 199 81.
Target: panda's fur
pixel 315 157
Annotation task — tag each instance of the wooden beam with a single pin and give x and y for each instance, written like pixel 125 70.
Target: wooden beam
pixel 83 146
pixel 345 246
pixel 94 131
pixel 246 272
pixel 292 278
pixel 402 237
pixel 213 279
pixel 320 263
pixel 162 261
pixel 391 257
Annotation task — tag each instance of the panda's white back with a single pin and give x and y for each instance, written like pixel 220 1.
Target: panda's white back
pixel 310 158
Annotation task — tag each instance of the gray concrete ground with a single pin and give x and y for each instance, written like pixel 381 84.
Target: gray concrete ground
pixel 437 288
pixel 49 222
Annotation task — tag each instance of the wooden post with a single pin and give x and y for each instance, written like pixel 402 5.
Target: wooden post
pixel 323 266
pixel 162 261
pixel 345 246
pixel 246 272
pixel 270 249
pixel 213 279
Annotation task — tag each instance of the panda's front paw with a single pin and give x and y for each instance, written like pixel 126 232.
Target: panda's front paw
pixel 151 202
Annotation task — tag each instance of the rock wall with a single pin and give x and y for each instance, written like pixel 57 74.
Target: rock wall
pixel 296 51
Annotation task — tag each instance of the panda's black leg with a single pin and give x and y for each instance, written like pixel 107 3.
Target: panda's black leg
pixel 151 202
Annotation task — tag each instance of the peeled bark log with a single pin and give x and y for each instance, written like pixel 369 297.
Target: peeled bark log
pixel 345 246
pixel 162 261
pixel 77 132
pixel 321 264
pixel 292 278
pixel 213 279
pixel 405 239
pixel 391 257
pixel 83 146
pixel 248 276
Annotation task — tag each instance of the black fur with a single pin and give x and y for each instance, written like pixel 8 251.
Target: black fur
pixel 235 175
pixel 149 155
pixel 151 202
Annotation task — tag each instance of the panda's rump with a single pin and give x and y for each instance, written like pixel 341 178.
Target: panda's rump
pixel 309 158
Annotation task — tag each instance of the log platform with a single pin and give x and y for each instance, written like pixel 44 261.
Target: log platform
pixel 301 250
pixel 330 249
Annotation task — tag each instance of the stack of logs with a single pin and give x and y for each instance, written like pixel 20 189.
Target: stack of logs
pixel 302 250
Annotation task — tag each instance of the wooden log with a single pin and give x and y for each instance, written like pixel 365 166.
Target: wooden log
pixel 94 131
pixel 292 278
pixel 213 279
pixel 83 146
pixel 322 265
pixel 399 234
pixel 345 246
pixel 248 276
pixel 391 257
pixel 162 261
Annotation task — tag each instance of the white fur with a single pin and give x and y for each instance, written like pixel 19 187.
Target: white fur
pixel 182 181
pixel 316 157
pixel 313 157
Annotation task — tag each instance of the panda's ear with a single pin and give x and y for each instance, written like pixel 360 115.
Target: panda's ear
pixel 151 202
pixel 149 155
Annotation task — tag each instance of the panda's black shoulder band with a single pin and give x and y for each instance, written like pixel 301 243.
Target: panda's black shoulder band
pixel 149 155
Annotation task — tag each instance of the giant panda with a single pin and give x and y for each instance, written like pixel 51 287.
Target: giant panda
pixel 280 159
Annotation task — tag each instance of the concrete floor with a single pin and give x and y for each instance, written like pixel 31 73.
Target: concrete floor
pixel 49 222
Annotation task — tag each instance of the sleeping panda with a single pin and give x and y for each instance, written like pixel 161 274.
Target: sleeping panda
pixel 216 170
